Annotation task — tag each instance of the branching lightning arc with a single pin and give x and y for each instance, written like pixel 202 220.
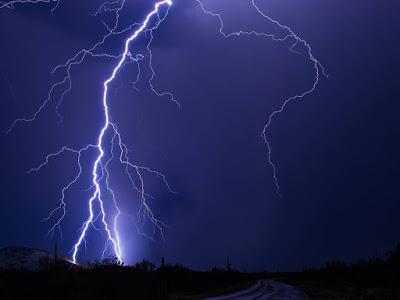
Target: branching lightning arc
pixel 295 42
pixel 109 133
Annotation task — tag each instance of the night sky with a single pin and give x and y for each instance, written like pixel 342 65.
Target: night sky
pixel 336 150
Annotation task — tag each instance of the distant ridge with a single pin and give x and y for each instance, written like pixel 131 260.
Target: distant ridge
pixel 13 257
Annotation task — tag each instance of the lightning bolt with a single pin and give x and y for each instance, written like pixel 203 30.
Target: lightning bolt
pixel 295 42
pixel 10 4
pixel 100 171
pixel 98 191
pixel 110 137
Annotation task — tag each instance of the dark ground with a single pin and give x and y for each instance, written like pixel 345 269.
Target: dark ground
pixel 373 279
pixel 110 281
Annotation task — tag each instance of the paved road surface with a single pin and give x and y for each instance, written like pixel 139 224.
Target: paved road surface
pixel 266 290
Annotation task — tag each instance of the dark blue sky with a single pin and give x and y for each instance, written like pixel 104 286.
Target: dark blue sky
pixel 336 151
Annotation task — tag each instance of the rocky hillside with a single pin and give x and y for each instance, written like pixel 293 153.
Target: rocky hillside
pixel 25 258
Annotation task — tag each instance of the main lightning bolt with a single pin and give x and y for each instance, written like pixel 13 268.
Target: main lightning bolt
pixel 98 192
pixel 100 173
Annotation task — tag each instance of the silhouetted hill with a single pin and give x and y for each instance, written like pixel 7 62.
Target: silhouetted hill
pixel 29 259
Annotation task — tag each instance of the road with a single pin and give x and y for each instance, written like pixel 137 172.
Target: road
pixel 266 290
